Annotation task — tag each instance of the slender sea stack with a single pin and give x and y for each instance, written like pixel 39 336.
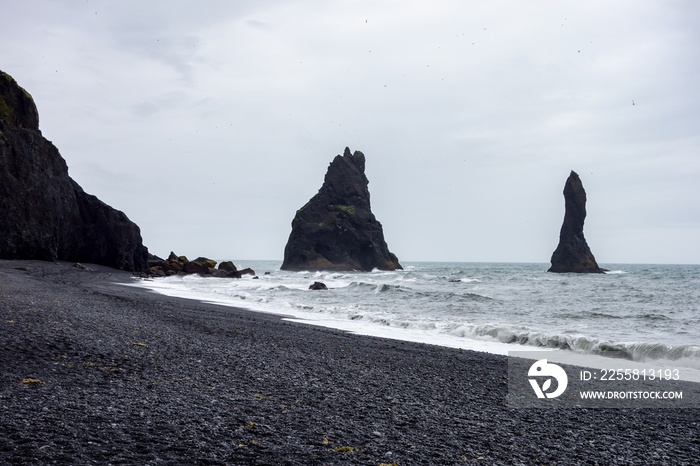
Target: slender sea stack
pixel 573 253
pixel 44 214
pixel 336 229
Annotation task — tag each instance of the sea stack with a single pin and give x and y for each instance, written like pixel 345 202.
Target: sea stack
pixel 44 214
pixel 573 253
pixel 336 229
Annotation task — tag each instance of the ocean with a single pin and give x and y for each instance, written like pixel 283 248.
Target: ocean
pixel 643 313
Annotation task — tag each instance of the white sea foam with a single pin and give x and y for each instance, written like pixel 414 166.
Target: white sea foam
pixel 485 307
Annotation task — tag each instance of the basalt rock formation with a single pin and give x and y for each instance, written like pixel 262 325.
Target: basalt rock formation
pixel 336 229
pixel 44 214
pixel 181 265
pixel 572 253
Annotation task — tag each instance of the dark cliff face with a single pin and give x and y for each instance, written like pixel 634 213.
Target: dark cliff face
pixel 17 109
pixel 44 214
pixel 336 229
pixel 572 253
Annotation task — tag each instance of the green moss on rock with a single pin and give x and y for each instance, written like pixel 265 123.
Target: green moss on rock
pixel 6 113
pixel 17 107
pixel 350 209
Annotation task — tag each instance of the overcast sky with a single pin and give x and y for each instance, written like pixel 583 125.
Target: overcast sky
pixel 209 123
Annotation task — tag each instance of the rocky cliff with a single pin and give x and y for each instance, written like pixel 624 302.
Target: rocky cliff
pixel 572 253
pixel 44 214
pixel 336 229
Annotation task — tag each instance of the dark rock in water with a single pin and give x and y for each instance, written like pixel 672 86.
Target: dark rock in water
pixel 219 273
pixel 176 266
pixel 227 266
pixel 170 266
pixel 246 271
pixel 180 265
pixel 572 253
pixel 336 229
pixel 44 214
pixel 318 286
pixel 200 265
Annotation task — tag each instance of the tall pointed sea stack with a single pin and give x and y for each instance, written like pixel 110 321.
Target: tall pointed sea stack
pixel 336 229
pixel 573 253
pixel 44 214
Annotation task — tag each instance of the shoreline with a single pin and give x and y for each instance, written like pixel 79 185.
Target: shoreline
pixel 129 375
pixel 689 370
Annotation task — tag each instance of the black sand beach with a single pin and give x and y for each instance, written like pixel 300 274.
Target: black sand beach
pixel 119 375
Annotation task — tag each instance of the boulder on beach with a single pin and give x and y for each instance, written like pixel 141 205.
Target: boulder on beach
pixel 572 253
pixel 44 213
pixel 200 265
pixel 336 229
pixel 180 265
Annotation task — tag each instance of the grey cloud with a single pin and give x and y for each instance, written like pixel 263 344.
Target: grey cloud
pixel 470 115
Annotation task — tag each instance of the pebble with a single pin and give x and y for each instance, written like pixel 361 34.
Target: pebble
pixel 370 401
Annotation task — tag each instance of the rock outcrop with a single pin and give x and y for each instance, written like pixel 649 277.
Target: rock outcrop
pixel 572 253
pixel 44 214
pixel 181 265
pixel 336 229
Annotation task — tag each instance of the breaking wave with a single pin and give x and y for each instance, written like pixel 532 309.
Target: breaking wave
pixel 644 313
pixel 633 351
